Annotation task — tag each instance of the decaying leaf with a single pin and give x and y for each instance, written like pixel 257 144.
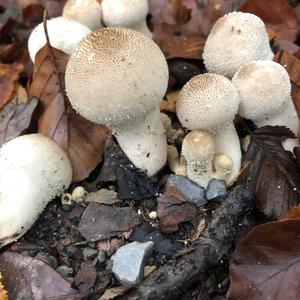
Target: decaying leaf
pixel 82 139
pixel 266 263
pixel 3 293
pixel 273 174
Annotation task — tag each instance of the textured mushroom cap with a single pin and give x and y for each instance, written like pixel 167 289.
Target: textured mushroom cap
pixel 116 76
pixel 264 88
pixel 87 12
pixel 28 181
pixel 198 146
pixel 236 39
pixel 207 101
pixel 223 163
pixel 123 12
pixel 64 34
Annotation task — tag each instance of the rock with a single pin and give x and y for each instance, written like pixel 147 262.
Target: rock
pixel 103 196
pixel 47 259
pixel 129 262
pixel 64 270
pixel 216 190
pixel 89 253
pixel 191 191
pixel 101 256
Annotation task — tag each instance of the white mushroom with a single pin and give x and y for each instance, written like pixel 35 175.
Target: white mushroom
pixel 33 170
pixel 126 13
pixel 265 97
pixel 117 77
pixel 87 12
pixel 235 40
pixel 209 102
pixel 64 34
pixel 222 165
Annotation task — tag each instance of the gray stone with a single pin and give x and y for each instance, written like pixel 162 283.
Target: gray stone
pixel 47 259
pixel 129 262
pixel 192 191
pixel 64 270
pixel 101 256
pixel 216 190
pixel 89 253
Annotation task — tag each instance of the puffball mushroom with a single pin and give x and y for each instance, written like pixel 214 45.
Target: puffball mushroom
pixel 126 13
pixel 235 40
pixel 222 165
pixel 33 170
pixel 87 12
pixel 64 34
pixel 209 102
pixel 117 77
pixel 265 97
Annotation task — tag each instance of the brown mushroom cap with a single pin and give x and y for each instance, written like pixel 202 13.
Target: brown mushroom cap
pixel 115 76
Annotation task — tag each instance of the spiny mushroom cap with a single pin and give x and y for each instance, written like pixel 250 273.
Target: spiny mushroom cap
pixel 198 146
pixel 64 34
pixel 87 12
pixel 264 89
pixel 123 12
pixel 236 39
pixel 116 76
pixel 28 181
pixel 206 102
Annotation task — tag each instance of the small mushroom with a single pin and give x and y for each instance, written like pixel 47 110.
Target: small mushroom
pixel 176 162
pixel 222 165
pixel 209 102
pixel 235 40
pixel 172 134
pixel 64 34
pixel 117 77
pixel 87 12
pixel 265 97
pixel 126 13
pixel 33 170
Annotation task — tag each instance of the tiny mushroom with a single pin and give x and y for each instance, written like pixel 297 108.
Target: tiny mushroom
pixel 172 133
pixel 28 181
pixel 64 34
pixel 177 163
pixel 222 165
pixel 87 12
pixel 126 13
pixel 210 102
pixel 265 97
pixel 235 40
pixel 117 77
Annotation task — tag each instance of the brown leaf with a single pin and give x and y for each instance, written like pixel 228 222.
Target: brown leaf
pixel 266 263
pixel 278 15
pixel 293 213
pixel 15 118
pixel 173 209
pixel 273 174
pixel 3 293
pixel 9 74
pixel 81 139
pixel 29 278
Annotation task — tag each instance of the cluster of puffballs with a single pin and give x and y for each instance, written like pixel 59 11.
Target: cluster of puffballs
pixel 117 76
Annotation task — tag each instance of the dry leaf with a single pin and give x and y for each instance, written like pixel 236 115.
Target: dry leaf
pixel 81 139
pixel 3 293
pixel 273 174
pixel 293 213
pixel 170 103
pixel 266 263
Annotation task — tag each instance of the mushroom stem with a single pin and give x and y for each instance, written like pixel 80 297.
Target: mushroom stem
pixel 144 143
pixel 142 26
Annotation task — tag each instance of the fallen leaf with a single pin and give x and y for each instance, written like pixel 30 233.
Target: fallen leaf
pixel 293 213
pixel 173 209
pixel 27 278
pixel 3 293
pixel 9 75
pixel 170 103
pixel 273 174
pixel 99 222
pixel 279 16
pixel 266 263
pixel 81 139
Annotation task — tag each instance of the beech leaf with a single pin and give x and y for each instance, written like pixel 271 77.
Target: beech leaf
pixel 273 174
pixel 80 138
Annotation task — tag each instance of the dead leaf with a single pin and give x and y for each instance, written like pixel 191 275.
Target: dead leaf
pixel 273 174
pixel 170 103
pixel 278 15
pixel 99 222
pixel 3 293
pixel 293 213
pixel 173 209
pixel 80 138
pixel 29 278
pixel 266 263
pixel 9 75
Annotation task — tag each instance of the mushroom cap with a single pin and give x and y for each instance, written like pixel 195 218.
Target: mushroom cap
pixel 198 146
pixel 123 12
pixel 264 89
pixel 206 102
pixel 116 76
pixel 87 12
pixel 28 181
pixel 236 39
pixel 64 34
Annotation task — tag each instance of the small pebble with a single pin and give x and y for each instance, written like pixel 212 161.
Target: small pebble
pixel 101 256
pixel 153 215
pixel 89 253
pixel 216 190
pixel 47 259
pixel 64 271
